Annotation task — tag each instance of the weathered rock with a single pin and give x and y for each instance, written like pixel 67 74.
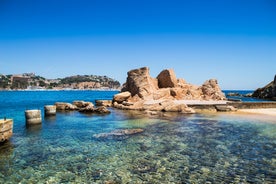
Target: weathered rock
pixel 119 133
pixel 62 106
pixel 6 128
pixel 167 79
pixel 146 91
pixel 106 103
pixel 140 83
pixel 81 104
pixel 211 90
pixel 267 92
pixel 92 109
pixel 119 98
pixel 102 110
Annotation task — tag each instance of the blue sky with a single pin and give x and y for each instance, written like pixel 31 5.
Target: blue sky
pixel 233 41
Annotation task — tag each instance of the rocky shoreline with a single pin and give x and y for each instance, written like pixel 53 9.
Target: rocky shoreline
pixel 165 93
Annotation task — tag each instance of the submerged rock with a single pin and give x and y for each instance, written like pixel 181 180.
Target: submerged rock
pixel 119 133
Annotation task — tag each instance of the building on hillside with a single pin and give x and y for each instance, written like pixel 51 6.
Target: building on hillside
pixel 19 81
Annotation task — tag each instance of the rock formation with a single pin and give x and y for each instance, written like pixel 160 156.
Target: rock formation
pixel 142 92
pixel 267 92
pixel 81 106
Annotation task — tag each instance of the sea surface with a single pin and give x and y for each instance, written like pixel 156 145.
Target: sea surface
pixel 174 148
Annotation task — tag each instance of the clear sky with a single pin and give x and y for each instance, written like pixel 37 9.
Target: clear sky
pixel 233 41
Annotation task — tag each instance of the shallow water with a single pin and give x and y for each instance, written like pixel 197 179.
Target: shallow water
pixel 174 148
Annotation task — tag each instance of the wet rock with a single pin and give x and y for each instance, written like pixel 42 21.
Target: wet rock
pixel 106 103
pixel 61 106
pixel 81 104
pixel 92 109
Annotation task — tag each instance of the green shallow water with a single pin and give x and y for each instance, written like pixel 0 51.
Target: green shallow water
pixel 173 148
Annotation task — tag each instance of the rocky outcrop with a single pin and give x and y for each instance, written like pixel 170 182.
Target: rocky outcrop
pixel 211 90
pixel 142 92
pixel 167 79
pixel 140 84
pixel 267 92
pixel 64 106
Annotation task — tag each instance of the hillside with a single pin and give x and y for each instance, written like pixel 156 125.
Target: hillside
pixel 32 81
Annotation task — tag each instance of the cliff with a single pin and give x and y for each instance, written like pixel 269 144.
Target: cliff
pixel 32 81
pixel 266 92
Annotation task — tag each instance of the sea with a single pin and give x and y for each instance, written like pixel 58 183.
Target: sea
pixel 173 148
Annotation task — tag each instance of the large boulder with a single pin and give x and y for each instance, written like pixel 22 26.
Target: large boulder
pixel 211 90
pixel 167 79
pixel 140 83
pixel 267 92
pixel 121 97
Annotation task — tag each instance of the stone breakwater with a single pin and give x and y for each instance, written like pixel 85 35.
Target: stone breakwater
pixel 81 106
pixel 163 93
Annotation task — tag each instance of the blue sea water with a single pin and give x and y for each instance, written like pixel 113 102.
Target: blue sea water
pixel 241 97
pixel 174 148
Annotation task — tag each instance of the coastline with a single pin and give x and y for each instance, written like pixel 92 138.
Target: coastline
pixel 96 89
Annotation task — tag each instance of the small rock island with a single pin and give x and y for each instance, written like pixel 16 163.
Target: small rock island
pixel 165 92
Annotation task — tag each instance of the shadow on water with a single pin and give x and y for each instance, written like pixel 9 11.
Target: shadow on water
pixel 33 129
pixel 50 119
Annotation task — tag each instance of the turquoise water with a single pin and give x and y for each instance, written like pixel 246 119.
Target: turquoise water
pixel 174 148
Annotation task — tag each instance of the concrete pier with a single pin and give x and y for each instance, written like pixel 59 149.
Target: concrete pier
pixel 33 117
pixel 50 110
pixel 6 126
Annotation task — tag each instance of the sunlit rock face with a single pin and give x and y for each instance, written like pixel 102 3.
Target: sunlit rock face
pixel 141 89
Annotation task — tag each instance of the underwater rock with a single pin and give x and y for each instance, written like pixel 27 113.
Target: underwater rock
pixel 119 133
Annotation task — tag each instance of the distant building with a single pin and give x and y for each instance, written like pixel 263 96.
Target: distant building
pixel 20 81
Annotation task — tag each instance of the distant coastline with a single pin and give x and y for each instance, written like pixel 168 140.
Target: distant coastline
pixel 30 81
